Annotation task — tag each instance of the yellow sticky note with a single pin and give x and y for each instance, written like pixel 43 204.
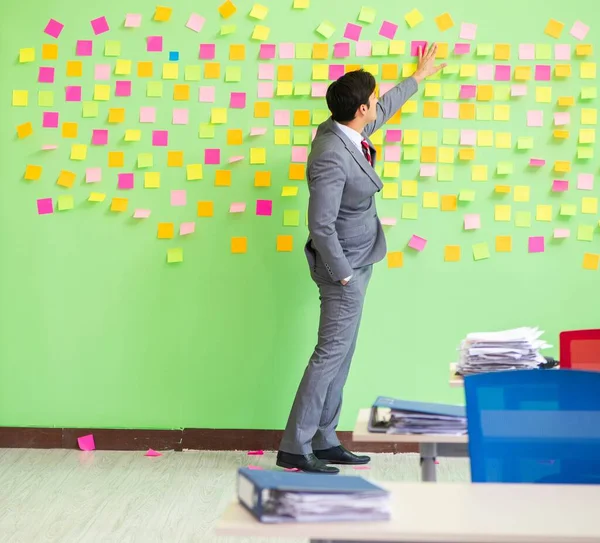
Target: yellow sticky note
pixel 503 140
pixel 78 151
pixel 446 155
pixel 33 172
pixel 543 95
pixel 433 89
pixel 442 50
pixel 543 213
pixel 485 138
pixel 431 200
pixel 102 92
pixel 282 136
pixel 408 69
pixel 289 191
pixel 395 259
pixel 410 107
pixel 193 172
pixel 502 213
pixel 258 155
pixel 170 70
pixel 410 188
pixel 503 244
pixel 218 115
pixel 591 261
pixel 467 70
pixel 20 98
pixel 428 155
pixel 562 70
pixel 452 253
pixel 152 180
pixel 522 73
pixel 66 202
pixel 554 28
pixel 320 72
pixel 123 67
pixel 521 193
pixel 479 172
pixel 133 135
pixel 391 169
pixel 261 33
pixel 501 113
pixel 96 197
pixel 27 54
pixel 239 245
pixel 259 11
pixel 583 50
pixel 587 135
pixel 119 204
pixel 589 116
pixel 485 93
pixel 587 70
pixel 397 47
pixel 410 137
pixel 390 191
pixel 413 18
pixel 589 205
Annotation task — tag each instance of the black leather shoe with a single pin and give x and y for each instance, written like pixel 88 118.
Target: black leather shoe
pixel 339 455
pixel 304 462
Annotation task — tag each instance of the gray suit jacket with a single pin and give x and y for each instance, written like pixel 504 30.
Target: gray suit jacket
pixel 344 229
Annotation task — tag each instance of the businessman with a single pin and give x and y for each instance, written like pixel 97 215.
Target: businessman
pixel 345 240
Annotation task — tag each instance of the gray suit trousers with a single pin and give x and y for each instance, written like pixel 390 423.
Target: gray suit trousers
pixel 316 409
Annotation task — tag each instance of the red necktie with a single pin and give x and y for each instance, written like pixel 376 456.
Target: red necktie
pixel 367 151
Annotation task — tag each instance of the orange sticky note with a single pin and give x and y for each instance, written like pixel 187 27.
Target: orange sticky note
pixel 429 155
pixel 566 101
pixel 49 51
pixel 502 51
pixel 235 136
pixel 431 110
pixel 485 93
pixel 562 70
pixel 395 259
pixel 503 244
pixel 32 172
pixel 69 130
pixel 181 92
pixel 522 73
pixel 223 178
pixel 444 21
pixel 302 117
pixel 449 202
pixel 237 52
pixel 262 110
pixel 502 189
pixel 389 72
pixel 205 209
pixel 320 51
pixel 466 154
pixel 74 68
pixel 561 134
pixel 24 130
pixel 145 69
pixel 119 204
pixel 262 179
pixel 442 50
pixel 162 13
pixel 466 112
pixel 66 179
pixel 227 9
pixel 591 261
pixel 285 243
pixel 116 159
pixel 175 159
pixel 583 50
pixel 297 172
pixel 212 70
pixel 285 73
pixel 554 28
pixel 396 118
pixel 239 245
pixel 562 166
pixel 116 115
pixel 166 230
pixel 452 253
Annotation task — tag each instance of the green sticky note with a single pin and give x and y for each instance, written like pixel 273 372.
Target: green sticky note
pixel 326 29
pixel 154 89
pixel 367 15
pixel 192 73
pixel 379 169
pixel 233 74
pixel 410 210
pixel 291 217
pixel 380 48
pixel 302 89
pixel 445 172
pixel 429 138
pixel 568 210
pixel 206 131
pixel 145 160
pixel 112 48
pixel 175 255
pixel 585 232
pixel 45 98
pixel 227 29
pixel 451 91
pixel 585 153
pixel 89 110
pixel 450 136
pixel 589 93
pixel 525 142
pixel 436 75
pixel 483 112
pixel 523 219
pixel 320 115
pixel 451 69
pixel 481 251
pixel 65 202
pixel 466 196
pixel 301 136
pixel 505 168
pixel 304 50
pixel 502 93
pixel 485 49
pixel 543 51
pixel 410 153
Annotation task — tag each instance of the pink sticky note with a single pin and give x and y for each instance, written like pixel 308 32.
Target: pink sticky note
pixel 561 118
pixel 287 50
pixel 502 72
pixel 86 443
pixel 363 48
pixel 207 51
pixel 427 170
pixel 102 72
pixel 450 110
pixel 468 91
pixel 472 221
pixel 318 90
pixel 100 25
pixel 388 30
pixel 393 136
pixel 468 137
pixel 527 51
pixel 54 28
pixel 416 47
pixel 160 138
pixel 195 22
pixel 291 469
pixel 536 244
pixel 93 175
pixel 336 71
pixel 266 71
pixel 267 51
pixel 535 117
pixel 187 228
pixel 265 90
pixel 255 468
pixel 299 154
pixel 46 74
pixel 282 117
pixel 206 94
pixel 352 31
pixel 264 207
pixel 154 44
pixel 178 198
pixel 212 156
pixel 45 206
pixel 485 72
pixel 141 214
pixel 537 162
pixel 73 93
pixel 152 453
pixel 558 185
pixel 256 453
pixel 579 30
pixel 341 50
pixel 585 181
pixel 237 207
pixel 417 243
pixel 560 233
pixel 518 90
pixel 562 51
pixel 84 48
pixel 388 221
pixel 50 119
pixel 361 467
pixel 462 48
pixel 49 147
pixel 123 88
pixel 392 153
pixel 237 100
pixel 385 87
pixel 147 114
pixel 126 181
pixel 258 131
pixel 468 31
pixel 133 20
pixel 99 137
pixel 233 159
pixel 543 72
pixel 181 116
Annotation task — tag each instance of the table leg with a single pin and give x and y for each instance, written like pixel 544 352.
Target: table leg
pixel 428 452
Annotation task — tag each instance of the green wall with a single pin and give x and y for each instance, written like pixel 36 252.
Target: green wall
pixel 98 330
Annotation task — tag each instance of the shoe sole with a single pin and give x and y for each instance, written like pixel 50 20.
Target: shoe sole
pixel 291 466
pixel 343 463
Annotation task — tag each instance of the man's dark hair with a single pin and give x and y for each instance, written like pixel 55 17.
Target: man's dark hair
pixel 348 93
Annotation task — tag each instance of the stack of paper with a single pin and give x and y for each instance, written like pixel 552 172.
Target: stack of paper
pixel 496 351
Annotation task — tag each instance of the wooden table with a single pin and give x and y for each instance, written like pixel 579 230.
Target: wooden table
pixel 430 445
pixel 453 513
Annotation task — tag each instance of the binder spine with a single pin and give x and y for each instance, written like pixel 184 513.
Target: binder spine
pixel 249 495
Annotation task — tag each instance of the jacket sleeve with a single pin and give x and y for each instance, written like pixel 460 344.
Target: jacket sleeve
pixel 327 179
pixel 391 102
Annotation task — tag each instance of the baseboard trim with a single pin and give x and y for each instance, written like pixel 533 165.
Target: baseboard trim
pixel 202 439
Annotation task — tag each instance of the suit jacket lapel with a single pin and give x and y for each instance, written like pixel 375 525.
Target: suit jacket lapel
pixel 357 155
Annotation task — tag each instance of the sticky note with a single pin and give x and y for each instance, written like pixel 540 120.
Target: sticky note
pixel 554 28
pixel 444 22
pixel 417 243
pixel 543 213
pixel 591 261
pixel 536 244
pixel 431 200
pixel 395 259
pixel 481 251
pixel 502 213
pixel 589 205
pixel 291 217
pixel 152 180
pixel 413 18
pixel 195 22
pixel 521 193
pixel 86 443
pixel 579 30
pixel 585 232
pixel 193 172
pixel 125 181
pixel 174 256
pixel 54 28
pixel 559 185
pixel 568 210
pixel 227 9
pixel 410 211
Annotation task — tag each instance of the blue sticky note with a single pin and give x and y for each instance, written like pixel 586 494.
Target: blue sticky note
pixel 174 55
